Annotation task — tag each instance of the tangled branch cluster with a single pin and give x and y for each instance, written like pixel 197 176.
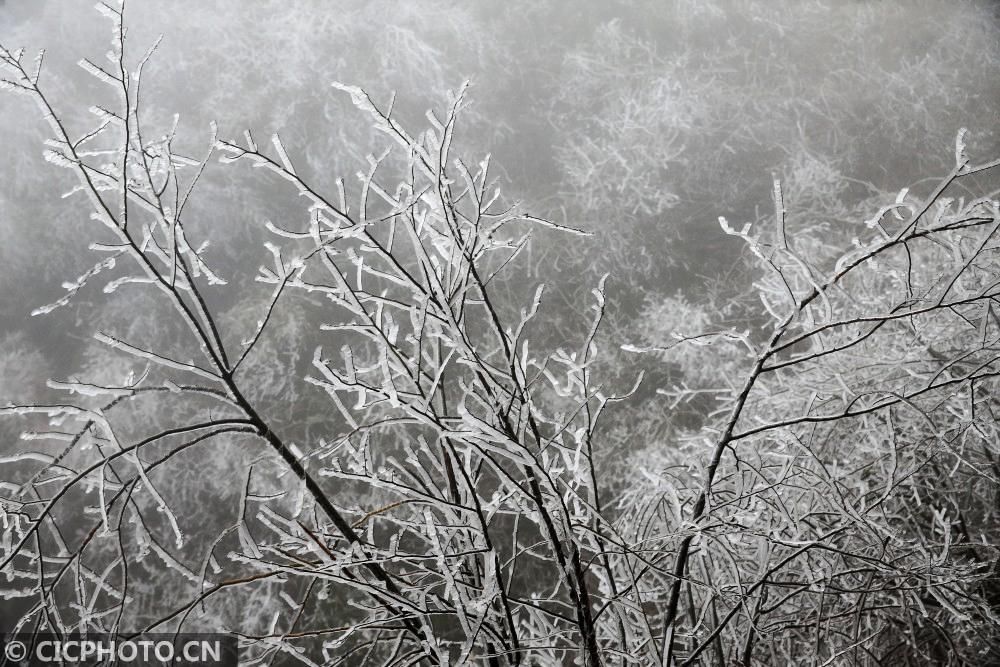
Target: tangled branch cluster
pixel 815 517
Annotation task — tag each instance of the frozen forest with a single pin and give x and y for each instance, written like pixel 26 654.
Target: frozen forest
pixel 520 333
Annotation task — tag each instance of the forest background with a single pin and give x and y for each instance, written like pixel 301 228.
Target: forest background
pixel 641 123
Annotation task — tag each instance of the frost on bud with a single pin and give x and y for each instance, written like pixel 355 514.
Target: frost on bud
pixel 58 159
pixel 960 157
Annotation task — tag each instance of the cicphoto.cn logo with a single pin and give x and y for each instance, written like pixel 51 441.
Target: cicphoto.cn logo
pixel 166 649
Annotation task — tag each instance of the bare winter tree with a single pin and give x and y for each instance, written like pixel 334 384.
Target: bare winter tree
pixel 838 505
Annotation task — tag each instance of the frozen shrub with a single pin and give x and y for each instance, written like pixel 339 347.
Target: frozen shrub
pixel 836 501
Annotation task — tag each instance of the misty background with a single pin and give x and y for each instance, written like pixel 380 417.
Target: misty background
pixel 639 121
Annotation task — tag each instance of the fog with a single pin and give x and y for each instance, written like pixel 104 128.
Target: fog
pixel 639 123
